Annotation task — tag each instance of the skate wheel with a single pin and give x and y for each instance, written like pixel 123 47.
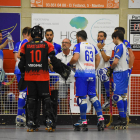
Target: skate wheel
pixel 76 129
pixel 116 127
pixel 85 129
pixel 46 128
pixel 32 130
pixel 27 130
pixel 124 127
pixel 50 129
pixel 99 128
pixel 36 129
pixel 53 130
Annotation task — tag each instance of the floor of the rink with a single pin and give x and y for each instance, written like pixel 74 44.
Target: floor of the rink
pixel 66 132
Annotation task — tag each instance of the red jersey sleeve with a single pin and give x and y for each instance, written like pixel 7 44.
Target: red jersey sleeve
pixel 23 48
pixel 50 46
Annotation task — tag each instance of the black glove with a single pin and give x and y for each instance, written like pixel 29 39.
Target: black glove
pixel 109 72
pixel 22 84
pixel 60 67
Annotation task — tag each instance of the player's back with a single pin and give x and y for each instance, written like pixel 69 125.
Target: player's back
pixel 127 44
pixel 37 60
pixel 85 67
pixel 121 52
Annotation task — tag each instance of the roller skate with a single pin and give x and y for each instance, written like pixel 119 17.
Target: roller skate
pixel 81 125
pixel 32 127
pixel 106 105
pixel 100 123
pixel 20 120
pixel 121 123
pixel 50 125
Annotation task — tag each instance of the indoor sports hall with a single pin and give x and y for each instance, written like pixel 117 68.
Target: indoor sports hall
pixel 66 18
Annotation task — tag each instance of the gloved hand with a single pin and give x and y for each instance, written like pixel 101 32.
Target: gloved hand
pixel 109 72
pixel 68 64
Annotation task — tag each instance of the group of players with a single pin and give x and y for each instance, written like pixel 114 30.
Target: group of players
pixel 36 55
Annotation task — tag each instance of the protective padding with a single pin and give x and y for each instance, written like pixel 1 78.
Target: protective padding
pixel 94 99
pixel 116 98
pixel 81 100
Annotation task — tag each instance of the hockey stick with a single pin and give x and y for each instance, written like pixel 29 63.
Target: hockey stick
pixel 111 117
pixel 70 111
pixel 9 83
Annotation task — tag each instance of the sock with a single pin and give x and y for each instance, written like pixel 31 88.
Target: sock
pixel 106 85
pixel 83 109
pixel 21 104
pixel 125 107
pixel 120 106
pixel 97 107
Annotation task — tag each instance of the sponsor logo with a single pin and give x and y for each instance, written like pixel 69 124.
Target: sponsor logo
pixel 34 65
pixel 117 51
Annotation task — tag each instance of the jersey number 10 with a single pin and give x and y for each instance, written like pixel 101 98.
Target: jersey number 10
pixel 37 54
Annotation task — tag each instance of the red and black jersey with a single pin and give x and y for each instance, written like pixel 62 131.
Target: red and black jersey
pixel 36 55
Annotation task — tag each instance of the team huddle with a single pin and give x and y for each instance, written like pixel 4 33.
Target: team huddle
pixel 36 58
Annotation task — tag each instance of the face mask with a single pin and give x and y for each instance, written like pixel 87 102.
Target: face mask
pixel 102 41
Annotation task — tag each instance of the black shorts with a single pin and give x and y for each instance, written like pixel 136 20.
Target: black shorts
pixel 38 89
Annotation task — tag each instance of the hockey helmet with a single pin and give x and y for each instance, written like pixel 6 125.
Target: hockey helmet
pixel 37 31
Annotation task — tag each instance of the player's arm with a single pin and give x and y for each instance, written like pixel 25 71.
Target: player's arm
pixel 115 62
pixel 76 55
pixel 15 56
pixel 18 55
pixel 118 55
pixel 132 58
pixel 74 59
pixel 22 62
pixel 105 57
pixel 4 44
pixel 97 60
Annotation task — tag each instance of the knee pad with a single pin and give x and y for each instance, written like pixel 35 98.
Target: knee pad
pixel 31 108
pixel 47 108
pixel 81 100
pixel 47 102
pixel 22 95
pixel 54 99
pixel 116 98
pixel 54 96
pixel 93 99
pixel 124 97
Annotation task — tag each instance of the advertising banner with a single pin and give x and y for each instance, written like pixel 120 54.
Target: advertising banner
pixel 67 25
pixel 10 3
pixel 76 4
pixel 10 24
pixel 133 31
pixel 134 4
